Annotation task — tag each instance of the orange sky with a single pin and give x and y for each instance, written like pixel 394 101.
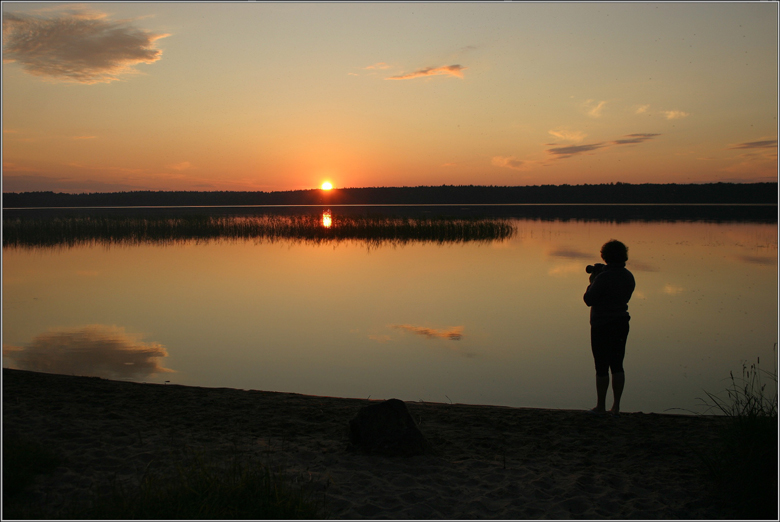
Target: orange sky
pixel 256 96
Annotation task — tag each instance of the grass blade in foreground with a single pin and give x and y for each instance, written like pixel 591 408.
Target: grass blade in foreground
pixel 744 468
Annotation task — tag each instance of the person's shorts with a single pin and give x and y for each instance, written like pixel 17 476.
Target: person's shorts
pixel 608 343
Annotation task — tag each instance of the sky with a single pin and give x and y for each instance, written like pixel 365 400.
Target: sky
pixel 103 97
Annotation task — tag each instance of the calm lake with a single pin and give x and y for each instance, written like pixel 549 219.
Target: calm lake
pixel 491 321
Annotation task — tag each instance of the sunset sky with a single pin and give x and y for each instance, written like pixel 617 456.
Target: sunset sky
pixel 284 96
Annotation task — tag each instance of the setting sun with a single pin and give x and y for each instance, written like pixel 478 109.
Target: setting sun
pixel 327 185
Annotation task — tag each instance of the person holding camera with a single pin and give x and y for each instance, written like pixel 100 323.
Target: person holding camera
pixel 608 293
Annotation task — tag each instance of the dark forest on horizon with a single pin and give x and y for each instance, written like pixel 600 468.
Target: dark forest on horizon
pixel 612 193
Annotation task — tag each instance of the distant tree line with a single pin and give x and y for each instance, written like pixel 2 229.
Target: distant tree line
pixel 625 193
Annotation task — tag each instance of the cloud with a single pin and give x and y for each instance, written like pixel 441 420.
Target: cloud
pixel 641 266
pixel 570 254
pixel 765 144
pixel 674 115
pixel 672 289
pixel 642 109
pixel 575 136
pixel 15 182
pixel 568 152
pixel 184 165
pixel 634 138
pixel 380 65
pixel 758 260
pixel 78 46
pixel 449 70
pixel 95 350
pixel 573 150
pixel 595 110
pixel 565 270
pixel 453 334
pixel 509 162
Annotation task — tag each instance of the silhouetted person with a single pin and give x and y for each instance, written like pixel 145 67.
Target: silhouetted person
pixel 607 295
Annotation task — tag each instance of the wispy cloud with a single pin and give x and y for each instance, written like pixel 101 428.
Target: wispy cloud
pixel 642 109
pixel 566 270
pixel 764 144
pixel 641 266
pixel 95 350
pixel 758 260
pixel 674 115
pixel 569 253
pixel 509 162
pixel 447 70
pixel 77 46
pixel 380 65
pixel 451 334
pixel 568 135
pixel 672 289
pixel 594 109
pixel 573 150
pixel 568 152
pixel 634 138
pixel 184 165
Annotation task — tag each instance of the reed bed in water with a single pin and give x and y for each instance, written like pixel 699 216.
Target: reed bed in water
pixel 373 230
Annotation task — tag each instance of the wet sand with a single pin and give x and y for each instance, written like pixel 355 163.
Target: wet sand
pixel 489 463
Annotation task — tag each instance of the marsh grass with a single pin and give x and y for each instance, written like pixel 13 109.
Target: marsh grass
pixel 744 468
pixel 372 230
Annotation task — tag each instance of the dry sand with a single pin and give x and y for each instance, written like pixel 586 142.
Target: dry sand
pixel 490 462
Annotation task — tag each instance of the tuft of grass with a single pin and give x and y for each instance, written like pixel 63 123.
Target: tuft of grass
pixel 744 468
pixel 206 489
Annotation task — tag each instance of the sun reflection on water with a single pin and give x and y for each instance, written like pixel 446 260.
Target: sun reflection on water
pixel 326 219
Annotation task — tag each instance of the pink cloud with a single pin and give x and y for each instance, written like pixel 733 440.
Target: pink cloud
pixel 452 334
pixel 447 70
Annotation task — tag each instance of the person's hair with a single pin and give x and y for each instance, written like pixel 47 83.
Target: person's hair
pixel 614 251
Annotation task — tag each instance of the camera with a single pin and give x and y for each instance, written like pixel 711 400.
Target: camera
pixel 595 269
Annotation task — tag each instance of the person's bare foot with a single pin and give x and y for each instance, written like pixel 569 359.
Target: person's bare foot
pixel 596 411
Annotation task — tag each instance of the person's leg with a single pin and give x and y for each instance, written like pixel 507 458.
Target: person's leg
pixel 601 360
pixel 618 382
pixel 618 353
pixel 602 385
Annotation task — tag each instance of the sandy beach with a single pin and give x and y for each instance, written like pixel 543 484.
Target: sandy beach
pixel 489 462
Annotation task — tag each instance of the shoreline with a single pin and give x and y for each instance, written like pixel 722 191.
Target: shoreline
pixel 490 462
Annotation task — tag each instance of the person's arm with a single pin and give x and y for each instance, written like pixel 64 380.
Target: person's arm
pixel 594 291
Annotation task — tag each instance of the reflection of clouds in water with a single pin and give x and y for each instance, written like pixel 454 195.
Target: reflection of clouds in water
pixel 95 350
pixel 758 260
pixel 452 334
pixel 571 254
pixel 563 270
pixel 640 266
pixel 672 289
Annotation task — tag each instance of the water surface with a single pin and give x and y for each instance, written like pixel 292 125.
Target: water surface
pixel 483 322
